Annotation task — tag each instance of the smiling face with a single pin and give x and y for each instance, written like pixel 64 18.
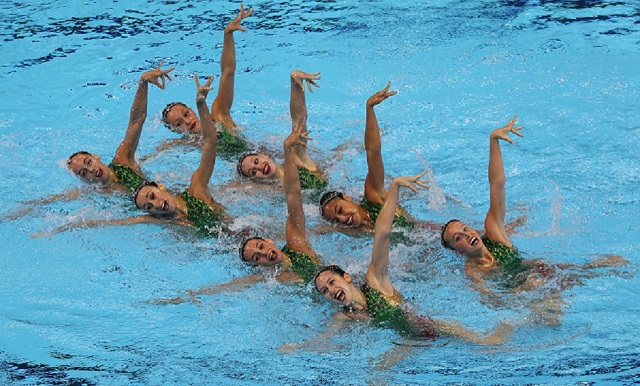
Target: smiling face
pixel 335 287
pixel 262 252
pixel 156 200
pixel 89 168
pixel 181 118
pixel 345 212
pixel 463 239
pixel 258 167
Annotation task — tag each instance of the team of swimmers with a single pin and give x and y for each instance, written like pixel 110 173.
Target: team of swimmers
pixel 490 255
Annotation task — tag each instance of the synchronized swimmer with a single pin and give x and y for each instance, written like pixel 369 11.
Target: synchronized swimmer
pixel 351 217
pixel 261 168
pixel 297 261
pixel 490 255
pixel 180 118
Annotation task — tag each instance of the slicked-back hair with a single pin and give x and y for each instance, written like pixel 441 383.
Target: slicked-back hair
pixel 331 268
pixel 137 190
pixel 327 198
pixel 444 228
pixel 75 154
pixel 244 245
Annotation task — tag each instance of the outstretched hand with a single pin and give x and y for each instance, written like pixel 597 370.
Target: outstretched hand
pixel 503 132
pixel 297 136
pixel 203 91
pixel 300 77
pixel 378 97
pixel 157 76
pixel 412 182
pixel 235 23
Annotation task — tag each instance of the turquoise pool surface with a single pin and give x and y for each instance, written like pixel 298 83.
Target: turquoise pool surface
pixel 75 306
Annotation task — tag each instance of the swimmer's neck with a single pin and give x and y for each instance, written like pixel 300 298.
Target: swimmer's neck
pixel 359 303
pixel 112 178
pixel 181 208
pixel 279 174
pixel 483 258
pixel 286 261
pixel 367 222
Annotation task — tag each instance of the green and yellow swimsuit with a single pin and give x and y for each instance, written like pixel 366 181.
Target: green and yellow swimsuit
pixel 301 264
pixel 394 317
pixel 126 176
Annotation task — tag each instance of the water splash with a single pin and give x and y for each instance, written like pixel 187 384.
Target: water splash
pixel 436 198
pixel 556 211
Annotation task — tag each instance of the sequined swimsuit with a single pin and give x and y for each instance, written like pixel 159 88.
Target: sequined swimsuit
pixel 200 213
pixel 388 315
pixel 126 176
pixel 301 264
pixel 503 254
pixel 374 210
pixel 514 269
pixel 229 145
pixel 310 180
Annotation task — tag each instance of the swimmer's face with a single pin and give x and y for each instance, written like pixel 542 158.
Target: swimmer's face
pixel 262 252
pixel 463 239
pixel 336 288
pixel 90 168
pixel 344 211
pixel 258 167
pixel 156 200
pixel 181 118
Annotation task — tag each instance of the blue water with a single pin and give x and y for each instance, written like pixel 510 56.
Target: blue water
pixel 73 308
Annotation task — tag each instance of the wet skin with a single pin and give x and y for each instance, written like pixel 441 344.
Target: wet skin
pixel 258 167
pixel 345 212
pixel 463 239
pixel 262 252
pixel 90 168
pixel 156 201
pixel 337 288
pixel 184 120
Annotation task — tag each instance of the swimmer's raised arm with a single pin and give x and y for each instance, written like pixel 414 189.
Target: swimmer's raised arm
pixel 494 222
pixel 296 224
pixel 221 106
pixel 374 190
pixel 201 177
pixel 298 111
pixel 378 273
pixel 297 101
pixel 125 154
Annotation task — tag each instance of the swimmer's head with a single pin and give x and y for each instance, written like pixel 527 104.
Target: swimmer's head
pixel 260 252
pixel 340 209
pixel 179 118
pixel 155 199
pixel 89 168
pixel 461 238
pixel 335 285
pixel 257 167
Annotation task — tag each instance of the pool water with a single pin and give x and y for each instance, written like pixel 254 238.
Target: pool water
pixel 75 306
